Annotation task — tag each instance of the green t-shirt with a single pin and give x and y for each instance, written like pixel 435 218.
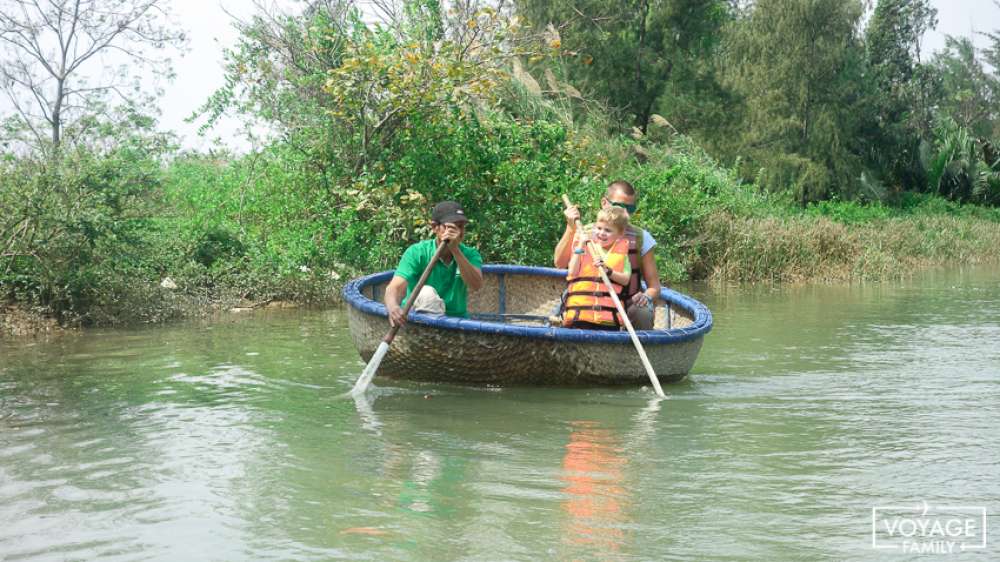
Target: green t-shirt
pixel 446 279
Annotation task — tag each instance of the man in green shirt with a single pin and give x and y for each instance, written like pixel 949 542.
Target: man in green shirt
pixel 458 271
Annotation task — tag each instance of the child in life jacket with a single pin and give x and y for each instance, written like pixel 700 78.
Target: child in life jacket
pixel 587 303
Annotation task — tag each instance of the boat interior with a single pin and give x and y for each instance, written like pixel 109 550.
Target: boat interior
pixel 523 296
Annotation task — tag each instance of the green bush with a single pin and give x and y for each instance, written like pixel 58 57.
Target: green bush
pixel 509 176
pixel 849 212
pixel 77 229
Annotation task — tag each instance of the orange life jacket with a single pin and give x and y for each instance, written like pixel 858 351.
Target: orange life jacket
pixel 587 297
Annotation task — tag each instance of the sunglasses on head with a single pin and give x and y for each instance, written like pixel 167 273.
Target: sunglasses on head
pixel 627 207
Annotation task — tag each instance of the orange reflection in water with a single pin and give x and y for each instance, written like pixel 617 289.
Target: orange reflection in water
pixel 594 493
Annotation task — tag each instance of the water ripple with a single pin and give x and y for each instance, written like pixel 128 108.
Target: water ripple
pixel 228 441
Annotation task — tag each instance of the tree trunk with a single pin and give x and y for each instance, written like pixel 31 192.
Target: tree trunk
pixel 640 89
pixel 57 113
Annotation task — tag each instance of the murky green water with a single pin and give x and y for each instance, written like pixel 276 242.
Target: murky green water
pixel 226 441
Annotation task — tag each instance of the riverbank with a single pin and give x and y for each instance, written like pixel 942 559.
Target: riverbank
pixel 94 247
pixel 798 249
pixel 16 320
pixel 24 321
pixel 816 249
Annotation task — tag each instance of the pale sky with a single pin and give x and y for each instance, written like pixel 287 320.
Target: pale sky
pixel 199 71
pixel 961 18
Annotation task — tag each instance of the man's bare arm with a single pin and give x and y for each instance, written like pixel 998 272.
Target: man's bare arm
pixel 394 293
pixel 564 249
pixel 471 274
pixel 651 276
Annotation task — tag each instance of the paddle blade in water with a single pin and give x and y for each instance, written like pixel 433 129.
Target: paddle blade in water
pixel 369 372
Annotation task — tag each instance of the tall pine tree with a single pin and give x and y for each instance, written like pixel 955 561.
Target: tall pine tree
pixel 899 90
pixel 627 53
pixel 796 63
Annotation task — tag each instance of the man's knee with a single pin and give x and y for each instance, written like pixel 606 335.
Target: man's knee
pixel 428 301
pixel 641 317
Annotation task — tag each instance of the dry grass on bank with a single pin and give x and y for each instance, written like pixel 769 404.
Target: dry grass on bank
pixel 796 249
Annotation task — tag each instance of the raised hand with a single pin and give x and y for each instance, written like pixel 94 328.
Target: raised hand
pixel 572 215
pixel 452 235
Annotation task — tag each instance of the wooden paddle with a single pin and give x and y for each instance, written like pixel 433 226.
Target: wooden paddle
pixel 369 373
pixel 595 255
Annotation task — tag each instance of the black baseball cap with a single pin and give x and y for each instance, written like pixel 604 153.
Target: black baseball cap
pixel 448 211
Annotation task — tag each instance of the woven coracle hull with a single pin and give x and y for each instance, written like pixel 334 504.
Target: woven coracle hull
pixel 508 341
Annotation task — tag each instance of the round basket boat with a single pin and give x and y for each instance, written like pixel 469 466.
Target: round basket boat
pixel 508 338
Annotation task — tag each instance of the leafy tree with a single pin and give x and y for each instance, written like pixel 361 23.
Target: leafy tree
pixel 991 56
pixel 898 89
pixel 971 85
pixel 796 63
pixel 961 156
pixel 385 83
pixel 631 53
pixel 51 52
pixel 693 100
pixel 76 228
pixel 383 119
pixel 960 166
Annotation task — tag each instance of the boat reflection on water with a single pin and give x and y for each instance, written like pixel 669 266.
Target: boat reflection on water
pixel 446 483
pixel 596 488
pixel 596 498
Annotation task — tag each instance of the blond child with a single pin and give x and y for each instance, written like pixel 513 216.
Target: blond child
pixel 587 303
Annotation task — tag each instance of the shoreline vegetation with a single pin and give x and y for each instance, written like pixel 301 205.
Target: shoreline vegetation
pixel 770 249
pixel 763 242
pixel 108 222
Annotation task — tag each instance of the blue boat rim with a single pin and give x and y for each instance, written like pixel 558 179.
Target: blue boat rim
pixel 701 326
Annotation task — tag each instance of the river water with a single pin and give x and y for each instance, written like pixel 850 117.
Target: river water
pixel 812 415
